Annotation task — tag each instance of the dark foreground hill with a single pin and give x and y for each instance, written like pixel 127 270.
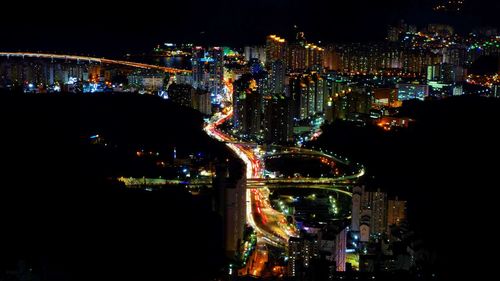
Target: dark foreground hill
pixel 61 218
pixel 445 165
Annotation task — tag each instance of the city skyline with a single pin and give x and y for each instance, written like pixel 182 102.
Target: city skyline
pixel 271 140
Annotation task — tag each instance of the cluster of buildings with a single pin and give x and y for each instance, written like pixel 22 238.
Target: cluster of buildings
pixel 188 96
pixel 286 87
pixel 290 85
pixel 47 75
pixel 208 70
pixel 373 214
pixel 42 76
pixel 379 238
pixel 365 83
pixel 376 240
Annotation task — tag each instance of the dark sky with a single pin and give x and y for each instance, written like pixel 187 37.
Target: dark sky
pixel 116 27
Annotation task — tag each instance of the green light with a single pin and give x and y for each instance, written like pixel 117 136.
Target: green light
pixel 229 52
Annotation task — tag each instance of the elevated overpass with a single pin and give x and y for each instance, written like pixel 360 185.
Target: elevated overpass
pixel 270 182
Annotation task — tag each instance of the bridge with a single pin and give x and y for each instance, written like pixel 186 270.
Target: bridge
pixel 341 184
pixel 94 60
pixel 298 180
pixel 131 182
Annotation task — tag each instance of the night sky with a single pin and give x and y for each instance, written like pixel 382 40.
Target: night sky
pixel 113 28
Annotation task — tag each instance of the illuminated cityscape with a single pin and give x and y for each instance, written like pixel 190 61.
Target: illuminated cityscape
pixel 279 141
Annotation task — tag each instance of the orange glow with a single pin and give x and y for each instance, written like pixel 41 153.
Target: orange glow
pixel 276 38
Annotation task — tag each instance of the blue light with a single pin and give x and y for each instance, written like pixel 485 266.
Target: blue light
pixel 207 58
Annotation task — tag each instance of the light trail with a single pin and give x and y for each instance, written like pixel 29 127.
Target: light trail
pixel 273 229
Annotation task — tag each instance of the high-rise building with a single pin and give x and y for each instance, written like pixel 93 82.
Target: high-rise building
pixel 332 60
pixel 333 89
pixel 495 91
pixel 186 95
pixel 296 57
pixel 356 208
pixel 198 61
pixel 308 92
pixel 247 106
pixel 365 225
pixel 231 204
pixel 314 56
pixel 303 56
pixel 180 94
pixel 376 58
pixel 208 70
pixel 456 55
pixel 275 49
pixel 355 100
pixel 200 100
pixel 255 52
pixel 301 252
pixel 340 253
pixel 294 256
pixel 396 212
pixel 446 73
pixel 376 204
pixel 277 77
pixel 415 61
pixel 278 122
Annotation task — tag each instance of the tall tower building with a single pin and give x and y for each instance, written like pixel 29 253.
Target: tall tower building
pixel 314 56
pixel 278 124
pixel 208 70
pixel 275 49
pixel 331 59
pixel 376 203
pixel 340 253
pixel 247 106
pixel 308 92
pixel 230 188
pixel 296 57
pixel 304 56
pixel 356 207
pixel 277 77
pixel 198 66
pixel 255 52
pixel 301 251
pixel 296 53
pixel 396 212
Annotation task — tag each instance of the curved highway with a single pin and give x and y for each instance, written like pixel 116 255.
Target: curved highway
pixel 271 225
